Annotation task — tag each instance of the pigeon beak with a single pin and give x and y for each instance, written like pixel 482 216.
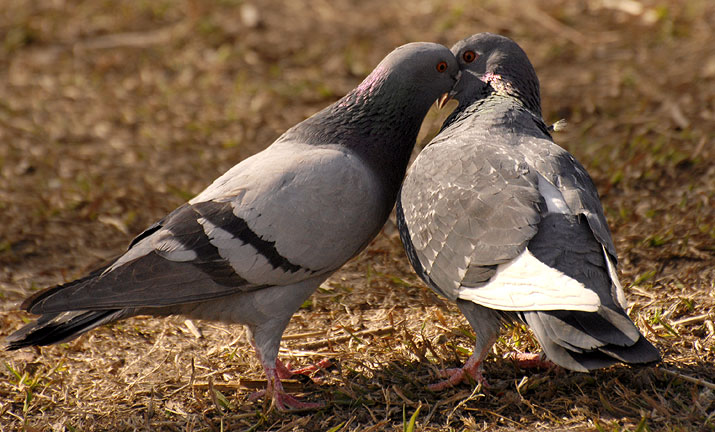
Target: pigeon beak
pixel 442 101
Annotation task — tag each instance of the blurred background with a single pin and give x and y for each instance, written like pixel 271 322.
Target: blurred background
pixel 113 113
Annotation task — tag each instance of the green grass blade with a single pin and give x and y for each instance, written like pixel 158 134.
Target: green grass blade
pixel 410 427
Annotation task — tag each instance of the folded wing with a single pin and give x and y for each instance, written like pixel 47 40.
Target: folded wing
pixel 274 219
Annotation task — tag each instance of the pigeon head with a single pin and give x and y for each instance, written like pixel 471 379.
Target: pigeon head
pixel 390 104
pixel 420 72
pixel 387 108
pixel 499 62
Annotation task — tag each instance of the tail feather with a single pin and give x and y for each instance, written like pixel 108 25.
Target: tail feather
pixel 640 352
pixel 592 326
pixel 61 327
pixel 38 297
pixel 561 354
pixel 568 336
pixel 583 341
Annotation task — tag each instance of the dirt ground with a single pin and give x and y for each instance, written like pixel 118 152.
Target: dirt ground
pixel 114 113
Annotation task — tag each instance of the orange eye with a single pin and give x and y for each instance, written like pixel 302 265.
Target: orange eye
pixel 441 66
pixel 469 56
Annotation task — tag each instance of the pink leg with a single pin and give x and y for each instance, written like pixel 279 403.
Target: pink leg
pixel 471 371
pixel 274 388
pixel 282 400
pixel 530 361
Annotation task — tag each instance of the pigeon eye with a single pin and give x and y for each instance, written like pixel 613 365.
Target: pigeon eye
pixel 441 66
pixel 469 56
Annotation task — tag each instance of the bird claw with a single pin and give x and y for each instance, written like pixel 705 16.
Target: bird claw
pixel 279 398
pixel 256 395
pixel 284 371
pixel 286 402
pixel 530 360
pixel 469 372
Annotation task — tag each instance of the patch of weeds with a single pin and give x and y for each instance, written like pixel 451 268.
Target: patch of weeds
pixel 624 213
pixel 207 26
pixel 462 350
pixel 230 143
pixel 616 177
pixel 31 383
pixel 324 91
pixel 657 318
pixel 616 427
pixel 656 240
pixel 412 424
pixel 18 37
pixel 685 304
pixel 450 19
pixel 372 274
pixel 232 354
pixel 643 277
pixel 223 401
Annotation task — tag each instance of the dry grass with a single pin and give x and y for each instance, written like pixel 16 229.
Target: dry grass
pixel 113 113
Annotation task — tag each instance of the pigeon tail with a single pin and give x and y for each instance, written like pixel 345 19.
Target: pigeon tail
pixel 40 297
pixel 583 341
pixel 61 327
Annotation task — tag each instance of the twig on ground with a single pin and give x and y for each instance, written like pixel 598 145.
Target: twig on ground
pixel 402 396
pixel 476 392
pixel 303 353
pixel 303 335
pixel 535 13
pixel 690 379
pixel 685 321
pixel 247 384
pixel 336 340
pixel 134 39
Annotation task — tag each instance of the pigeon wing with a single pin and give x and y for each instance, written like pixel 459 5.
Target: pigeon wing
pixel 579 192
pixel 560 172
pixel 282 216
pixel 464 216
pixel 469 228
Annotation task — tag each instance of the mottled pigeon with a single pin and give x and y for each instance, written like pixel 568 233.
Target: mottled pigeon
pixel 498 218
pixel 255 244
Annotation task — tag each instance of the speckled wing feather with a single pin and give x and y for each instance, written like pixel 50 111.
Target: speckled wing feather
pixel 466 208
pixel 474 200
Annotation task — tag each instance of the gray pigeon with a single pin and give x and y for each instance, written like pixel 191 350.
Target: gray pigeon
pixel 255 244
pixel 498 218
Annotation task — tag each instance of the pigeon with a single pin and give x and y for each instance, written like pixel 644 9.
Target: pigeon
pixel 496 217
pixel 255 244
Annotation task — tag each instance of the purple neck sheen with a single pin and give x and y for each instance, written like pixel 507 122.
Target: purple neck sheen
pixel 371 83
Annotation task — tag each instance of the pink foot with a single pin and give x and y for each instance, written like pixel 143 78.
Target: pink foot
pixel 471 371
pixel 282 400
pixel 286 402
pixel 284 371
pixel 530 361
